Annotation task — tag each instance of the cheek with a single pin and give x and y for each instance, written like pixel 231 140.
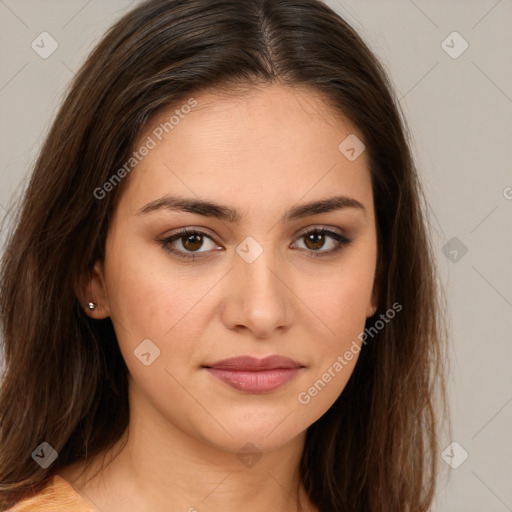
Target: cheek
pixel 151 300
pixel 155 334
pixel 345 314
pixel 340 302
pixel 145 294
pixel 340 299
pixel 143 297
pixel 343 310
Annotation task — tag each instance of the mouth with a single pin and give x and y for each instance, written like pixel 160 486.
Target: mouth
pixel 254 375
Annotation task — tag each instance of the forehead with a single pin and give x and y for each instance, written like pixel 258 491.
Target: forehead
pixel 260 113
pixel 268 143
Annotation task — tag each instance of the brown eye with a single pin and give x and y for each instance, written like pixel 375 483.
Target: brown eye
pixel 316 239
pixel 189 240
pixel 192 242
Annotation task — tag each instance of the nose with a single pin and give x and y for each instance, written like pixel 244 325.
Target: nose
pixel 259 297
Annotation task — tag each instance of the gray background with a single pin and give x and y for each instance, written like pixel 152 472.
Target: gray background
pixel 459 113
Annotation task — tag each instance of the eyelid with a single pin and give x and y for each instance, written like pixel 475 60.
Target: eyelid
pixel 319 227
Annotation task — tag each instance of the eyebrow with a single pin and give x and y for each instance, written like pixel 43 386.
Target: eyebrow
pixel 230 214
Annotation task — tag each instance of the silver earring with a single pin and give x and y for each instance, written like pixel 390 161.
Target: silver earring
pixel 92 306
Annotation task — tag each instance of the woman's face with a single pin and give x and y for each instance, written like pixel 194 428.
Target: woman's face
pixel 257 284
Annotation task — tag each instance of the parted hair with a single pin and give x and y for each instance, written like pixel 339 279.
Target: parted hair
pixel 65 381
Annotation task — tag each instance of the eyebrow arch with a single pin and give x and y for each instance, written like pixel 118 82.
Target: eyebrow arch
pixel 230 214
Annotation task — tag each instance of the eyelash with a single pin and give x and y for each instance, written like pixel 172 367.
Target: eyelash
pixel 342 242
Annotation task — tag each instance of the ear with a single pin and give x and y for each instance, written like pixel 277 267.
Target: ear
pixel 373 305
pixel 92 288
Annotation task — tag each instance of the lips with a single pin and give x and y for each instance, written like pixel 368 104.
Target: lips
pixel 252 375
pixel 249 363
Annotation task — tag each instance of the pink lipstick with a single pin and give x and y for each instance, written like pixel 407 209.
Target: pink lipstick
pixel 252 375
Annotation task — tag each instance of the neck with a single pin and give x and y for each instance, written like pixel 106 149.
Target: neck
pixel 158 466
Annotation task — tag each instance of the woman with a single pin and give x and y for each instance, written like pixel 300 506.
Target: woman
pixel 186 330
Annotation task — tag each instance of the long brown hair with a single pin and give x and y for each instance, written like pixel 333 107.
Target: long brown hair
pixel 65 381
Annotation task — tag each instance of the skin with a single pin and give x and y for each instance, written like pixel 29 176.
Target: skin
pixel 261 151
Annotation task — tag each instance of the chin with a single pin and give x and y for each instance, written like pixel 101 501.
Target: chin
pixel 266 430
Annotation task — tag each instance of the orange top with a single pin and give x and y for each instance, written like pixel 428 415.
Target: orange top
pixel 58 496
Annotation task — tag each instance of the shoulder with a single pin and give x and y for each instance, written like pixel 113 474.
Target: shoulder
pixel 58 496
